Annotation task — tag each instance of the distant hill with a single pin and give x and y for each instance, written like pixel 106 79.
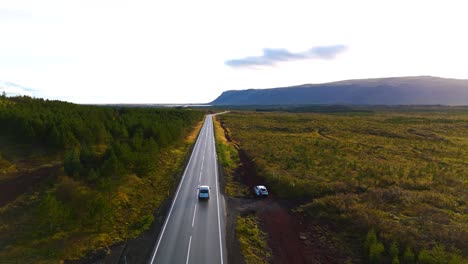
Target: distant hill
pixel 421 90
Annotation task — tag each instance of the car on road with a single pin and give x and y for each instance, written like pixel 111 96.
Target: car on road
pixel 204 192
pixel 260 191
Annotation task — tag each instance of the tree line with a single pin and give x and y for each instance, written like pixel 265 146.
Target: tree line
pixel 119 164
pixel 98 142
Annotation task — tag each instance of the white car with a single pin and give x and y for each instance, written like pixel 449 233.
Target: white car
pixel 260 190
pixel 204 192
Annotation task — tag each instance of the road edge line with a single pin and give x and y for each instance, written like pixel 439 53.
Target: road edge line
pixel 217 193
pixel 173 201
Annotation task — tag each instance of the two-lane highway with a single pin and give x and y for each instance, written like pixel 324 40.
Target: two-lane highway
pixel 193 231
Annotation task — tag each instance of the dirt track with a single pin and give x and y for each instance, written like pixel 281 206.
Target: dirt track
pixel 291 238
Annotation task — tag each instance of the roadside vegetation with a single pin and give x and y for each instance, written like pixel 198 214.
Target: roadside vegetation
pixel 252 240
pixel 109 170
pixel 392 181
pixel 229 160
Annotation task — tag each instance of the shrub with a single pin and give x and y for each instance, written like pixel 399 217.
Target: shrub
pixel 438 255
pixel 375 252
pixel 394 253
pixel 408 256
pixel 374 247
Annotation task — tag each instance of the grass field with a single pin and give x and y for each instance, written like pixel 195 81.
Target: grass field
pixel 229 159
pixel 401 173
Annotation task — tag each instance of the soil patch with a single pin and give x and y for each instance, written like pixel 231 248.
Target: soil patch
pixel 246 172
pixel 226 132
pixel 291 237
pixel 283 231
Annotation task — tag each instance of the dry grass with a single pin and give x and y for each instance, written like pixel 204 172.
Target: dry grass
pixel 193 135
pixel 403 173
pixel 229 159
pixel 252 240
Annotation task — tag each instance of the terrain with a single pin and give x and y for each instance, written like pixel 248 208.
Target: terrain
pixel 75 180
pixel 422 90
pixel 381 186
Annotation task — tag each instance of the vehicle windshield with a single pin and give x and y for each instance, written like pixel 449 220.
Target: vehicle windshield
pixel 203 191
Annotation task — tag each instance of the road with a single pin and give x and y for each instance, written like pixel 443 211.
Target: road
pixel 194 231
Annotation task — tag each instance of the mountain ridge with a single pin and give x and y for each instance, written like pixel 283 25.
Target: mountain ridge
pixel 410 90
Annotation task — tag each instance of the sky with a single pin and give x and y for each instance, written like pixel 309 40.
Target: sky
pixel 176 51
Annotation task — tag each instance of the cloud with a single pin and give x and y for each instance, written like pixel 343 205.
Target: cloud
pixel 13 14
pixel 12 89
pixel 271 57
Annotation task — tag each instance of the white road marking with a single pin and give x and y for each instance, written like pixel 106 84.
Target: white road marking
pixel 207 128
pixel 199 178
pixel 217 205
pixel 188 251
pixel 194 213
pixel 173 202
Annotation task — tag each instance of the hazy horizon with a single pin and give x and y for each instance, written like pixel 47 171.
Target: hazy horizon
pixel 17 90
pixel 189 53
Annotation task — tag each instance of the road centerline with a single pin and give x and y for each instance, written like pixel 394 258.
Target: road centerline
pixel 194 213
pixel 178 227
pixel 188 250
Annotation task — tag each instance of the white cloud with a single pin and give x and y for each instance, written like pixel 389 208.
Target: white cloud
pixel 12 89
pixel 272 57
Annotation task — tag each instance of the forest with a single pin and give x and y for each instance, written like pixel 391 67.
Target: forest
pixel 392 181
pixel 105 170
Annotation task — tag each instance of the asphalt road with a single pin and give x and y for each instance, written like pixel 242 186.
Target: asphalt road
pixel 193 231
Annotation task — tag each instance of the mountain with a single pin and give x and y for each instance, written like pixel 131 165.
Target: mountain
pixel 420 90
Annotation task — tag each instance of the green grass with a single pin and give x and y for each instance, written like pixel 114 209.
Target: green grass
pixel 404 173
pixel 252 240
pixel 229 160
